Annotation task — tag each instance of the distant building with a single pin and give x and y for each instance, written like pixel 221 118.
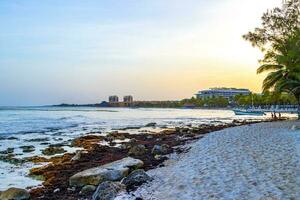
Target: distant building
pixel 113 99
pixel 227 93
pixel 128 99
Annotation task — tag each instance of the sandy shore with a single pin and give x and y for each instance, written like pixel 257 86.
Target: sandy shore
pixel 258 161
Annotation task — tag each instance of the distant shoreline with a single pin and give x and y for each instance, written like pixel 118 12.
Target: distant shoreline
pixel 139 106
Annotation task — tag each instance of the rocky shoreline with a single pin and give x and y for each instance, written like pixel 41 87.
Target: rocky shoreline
pixel 105 153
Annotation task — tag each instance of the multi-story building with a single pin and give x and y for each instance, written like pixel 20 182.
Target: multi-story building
pixel 128 99
pixel 227 93
pixel 113 99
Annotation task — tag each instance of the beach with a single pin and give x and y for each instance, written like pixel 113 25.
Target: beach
pixel 171 144
pixel 259 161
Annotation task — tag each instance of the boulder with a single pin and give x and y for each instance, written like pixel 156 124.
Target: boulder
pixel 14 194
pixel 160 149
pixel 108 190
pixel 137 150
pixel 114 171
pixel 88 189
pixel 136 178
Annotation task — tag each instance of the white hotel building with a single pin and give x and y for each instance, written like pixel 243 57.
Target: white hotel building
pixel 227 93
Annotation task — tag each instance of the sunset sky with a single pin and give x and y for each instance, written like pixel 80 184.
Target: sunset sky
pixel 82 51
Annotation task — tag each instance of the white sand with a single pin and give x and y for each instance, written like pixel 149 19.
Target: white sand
pixel 257 162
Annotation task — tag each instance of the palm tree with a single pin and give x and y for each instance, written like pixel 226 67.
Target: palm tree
pixel 283 64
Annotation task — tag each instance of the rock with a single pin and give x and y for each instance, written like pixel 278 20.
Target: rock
pixel 152 124
pixel 88 189
pixel 8 138
pixel 53 150
pixel 38 140
pixel 137 150
pixel 136 178
pixel 27 149
pixel 123 146
pixel 108 191
pixel 56 190
pixel 150 137
pixel 78 155
pixel 14 194
pixel 7 151
pixel 133 140
pixel 160 149
pixel 72 189
pixel 114 171
pixel 115 135
pixel 9 158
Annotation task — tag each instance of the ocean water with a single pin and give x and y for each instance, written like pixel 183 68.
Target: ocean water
pixel 62 124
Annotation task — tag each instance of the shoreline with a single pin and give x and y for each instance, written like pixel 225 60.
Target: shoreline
pixel 57 173
pixel 259 161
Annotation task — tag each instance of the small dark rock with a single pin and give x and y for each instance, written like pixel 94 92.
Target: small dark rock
pixel 136 178
pixel 38 140
pixel 7 151
pixel 160 149
pixel 137 150
pixel 88 189
pixel 27 149
pixel 152 124
pixel 108 190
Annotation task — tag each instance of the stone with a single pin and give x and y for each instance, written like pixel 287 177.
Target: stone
pixel 123 146
pixel 114 171
pixel 7 151
pixel 27 149
pixel 56 190
pixel 88 189
pixel 150 137
pixel 38 139
pixel 160 149
pixel 9 158
pixel 78 155
pixel 108 191
pixel 152 124
pixel 136 178
pixel 49 151
pixel 137 150
pixel 14 194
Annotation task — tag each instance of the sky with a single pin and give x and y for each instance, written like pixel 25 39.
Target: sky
pixel 82 51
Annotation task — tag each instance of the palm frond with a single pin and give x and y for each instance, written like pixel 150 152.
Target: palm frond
pixel 269 67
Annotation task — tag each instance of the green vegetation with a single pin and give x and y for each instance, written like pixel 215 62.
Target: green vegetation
pixel 279 39
pixel 267 98
pixel 208 102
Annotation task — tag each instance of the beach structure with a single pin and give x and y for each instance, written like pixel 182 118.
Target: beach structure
pixel 113 99
pixel 128 99
pixel 227 93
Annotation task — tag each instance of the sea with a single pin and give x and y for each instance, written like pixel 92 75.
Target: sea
pixel 41 126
